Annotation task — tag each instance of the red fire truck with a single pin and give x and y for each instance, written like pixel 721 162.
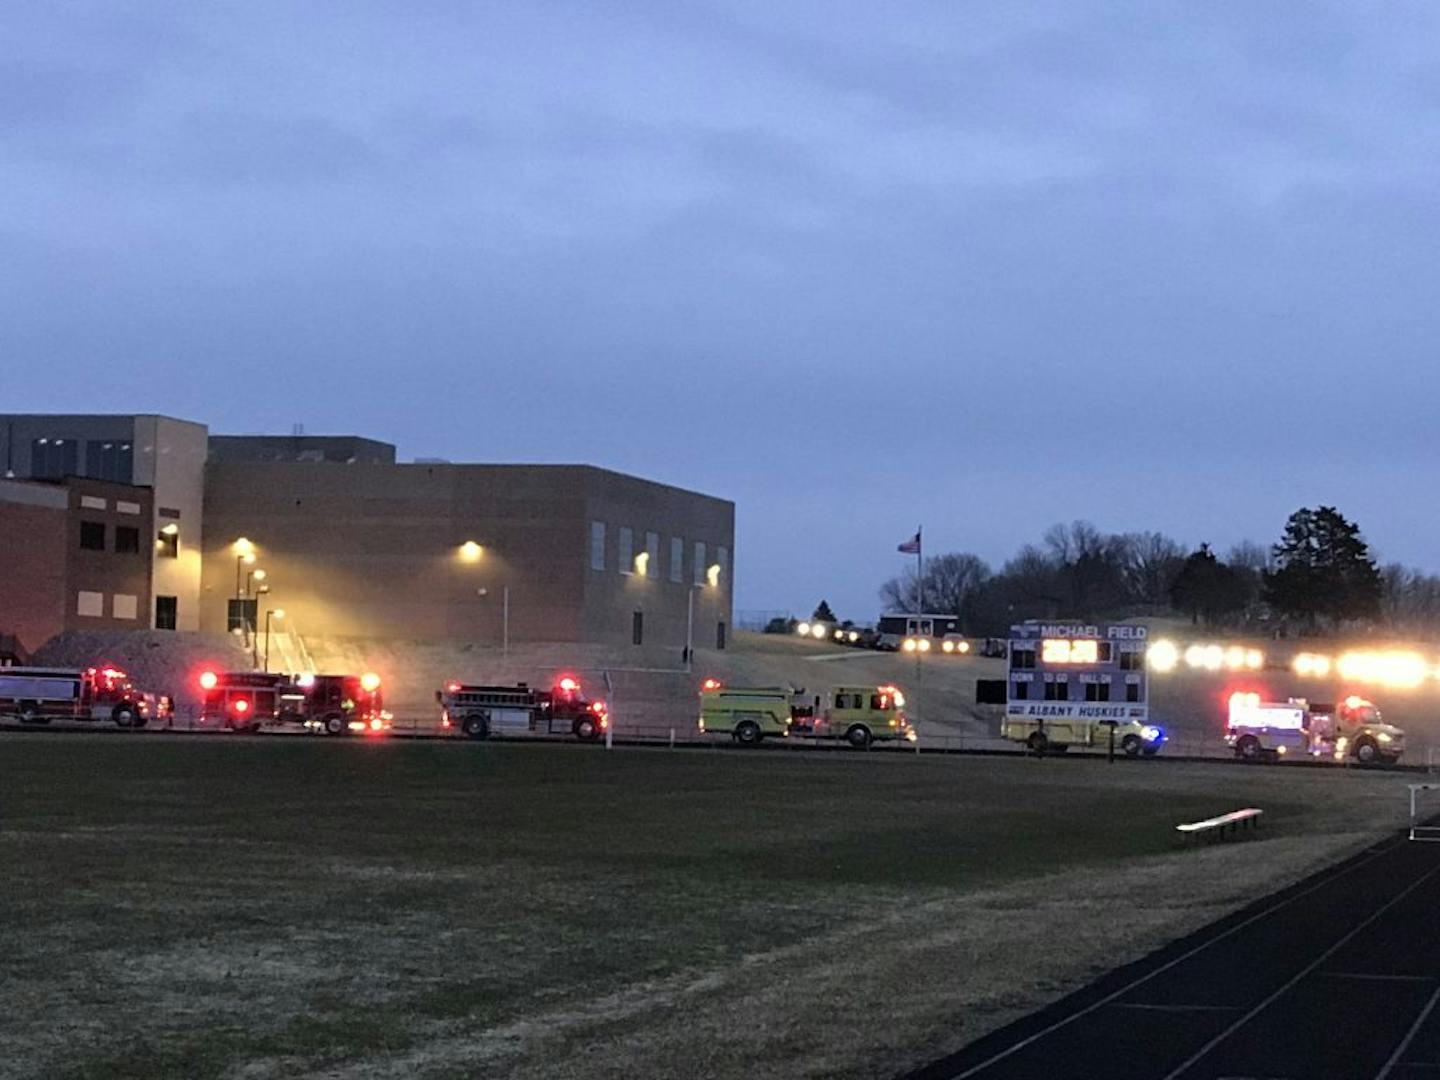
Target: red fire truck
pixel 241 700
pixel 482 711
pixel 39 695
pixel 335 704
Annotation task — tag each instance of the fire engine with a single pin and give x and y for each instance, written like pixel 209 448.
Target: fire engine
pixel 39 695
pixel 482 711
pixel 241 700
pixel 858 714
pixel 1074 684
pixel 1353 727
pixel 335 704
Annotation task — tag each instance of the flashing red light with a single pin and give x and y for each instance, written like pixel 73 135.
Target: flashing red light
pixel 241 705
pixel 445 721
pixel 569 685
pixel 598 707
pixel 208 680
pixel 710 684
pixel 604 722
pixel 453 687
pixel 113 673
pixel 370 682
pixel 376 724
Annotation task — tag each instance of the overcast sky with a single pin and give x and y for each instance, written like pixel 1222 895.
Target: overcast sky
pixel 985 266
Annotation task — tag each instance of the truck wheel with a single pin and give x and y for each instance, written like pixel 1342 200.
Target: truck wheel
pixel 858 737
pixel 1131 745
pixel 747 733
pixel 1366 752
pixel 1248 748
pixel 476 726
pixel 586 729
pixel 30 714
pixel 335 724
pixel 1037 743
pixel 124 716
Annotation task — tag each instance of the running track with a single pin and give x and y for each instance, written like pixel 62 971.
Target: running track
pixel 1335 977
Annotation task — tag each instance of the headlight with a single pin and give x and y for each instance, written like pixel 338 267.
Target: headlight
pixel 924 644
pixel 1385 736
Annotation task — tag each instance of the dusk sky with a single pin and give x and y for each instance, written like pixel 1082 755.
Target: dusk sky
pixel 985 266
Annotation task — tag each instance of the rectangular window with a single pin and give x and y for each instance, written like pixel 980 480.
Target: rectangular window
pixel 167 545
pixel 92 535
pixel 167 614
pixel 1132 691
pixel 677 559
pixel 625 556
pixel 1131 660
pixel 91 604
pixel 1020 691
pixel 637 628
pixel 699 576
pixel 1022 659
pixel 123 507
pixel 1097 691
pixel 720 635
pixel 109 460
pixel 722 560
pixel 124 606
pixel 240 615
pixel 1057 691
pixel 53 459
pixel 93 502
pixel 597 545
pixel 652 548
pixel 127 540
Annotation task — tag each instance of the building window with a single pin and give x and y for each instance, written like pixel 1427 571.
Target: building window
pixel 109 460
pixel 699 574
pixel 91 604
pixel 127 540
pixel 124 606
pixel 652 548
pixel 722 560
pixel 167 613
pixel 677 559
pixel 720 635
pixel 625 541
pixel 597 545
pixel 637 628
pixel 92 535
pixel 240 615
pixel 167 545
pixel 53 459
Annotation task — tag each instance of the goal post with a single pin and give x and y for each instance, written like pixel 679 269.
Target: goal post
pixel 1424 812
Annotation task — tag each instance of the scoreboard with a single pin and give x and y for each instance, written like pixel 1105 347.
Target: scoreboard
pixel 1086 671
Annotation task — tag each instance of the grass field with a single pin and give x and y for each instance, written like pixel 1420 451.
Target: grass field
pixel 289 907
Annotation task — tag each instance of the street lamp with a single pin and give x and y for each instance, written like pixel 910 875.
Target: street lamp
pixel 273 613
pixel 712 580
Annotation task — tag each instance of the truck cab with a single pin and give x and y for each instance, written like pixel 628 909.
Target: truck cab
pixel 336 704
pixel 1354 727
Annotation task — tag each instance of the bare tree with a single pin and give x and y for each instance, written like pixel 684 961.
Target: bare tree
pixel 1149 562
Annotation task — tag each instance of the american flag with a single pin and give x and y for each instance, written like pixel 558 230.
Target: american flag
pixel 911 546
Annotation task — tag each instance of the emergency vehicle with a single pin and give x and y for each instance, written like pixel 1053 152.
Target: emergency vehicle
pixel 858 714
pixel 482 711
pixel 335 704
pixel 1070 684
pixel 39 695
pixel 924 632
pixel 1352 728
pixel 241 700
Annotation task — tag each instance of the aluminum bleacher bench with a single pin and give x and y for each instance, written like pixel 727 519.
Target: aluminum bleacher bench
pixel 1216 826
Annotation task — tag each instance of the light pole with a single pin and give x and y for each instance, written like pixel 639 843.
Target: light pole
pixel 712 580
pixel 275 613
pixel 244 556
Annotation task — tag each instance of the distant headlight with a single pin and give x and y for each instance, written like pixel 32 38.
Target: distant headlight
pixel 1385 736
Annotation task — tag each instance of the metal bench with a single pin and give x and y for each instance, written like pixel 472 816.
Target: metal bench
pixel 1215 826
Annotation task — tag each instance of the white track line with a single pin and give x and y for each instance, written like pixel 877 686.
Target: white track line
pixel 1339 944
pixel 1409 1036
pixel 1017 1047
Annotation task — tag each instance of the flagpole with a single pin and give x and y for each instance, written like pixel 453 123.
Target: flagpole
pixel 920 569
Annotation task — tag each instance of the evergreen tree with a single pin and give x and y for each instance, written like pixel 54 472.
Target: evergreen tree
pixel 1324 569
pixel 823 613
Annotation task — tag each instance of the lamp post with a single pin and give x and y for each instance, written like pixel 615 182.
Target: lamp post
pixel 275 613
pixel 244 556
pixel 712 580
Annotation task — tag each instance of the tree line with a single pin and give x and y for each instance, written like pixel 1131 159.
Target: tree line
pixel 1319 576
